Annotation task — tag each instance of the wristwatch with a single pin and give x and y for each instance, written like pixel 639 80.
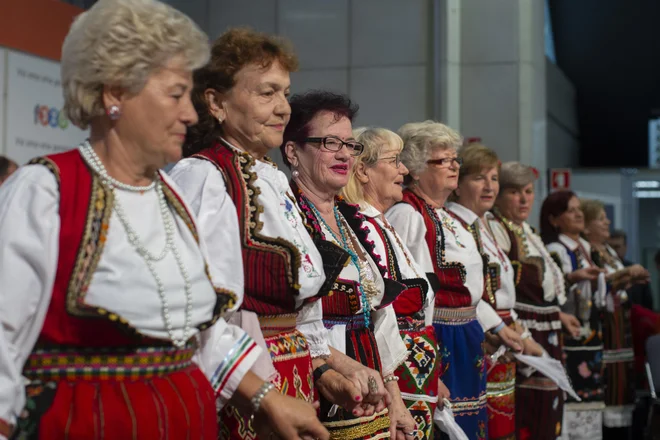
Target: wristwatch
pixel 318 372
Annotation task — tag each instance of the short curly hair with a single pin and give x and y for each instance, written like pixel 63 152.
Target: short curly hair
pixel 304 106
pixel 232 51
pixel 420 138
pixel 120 43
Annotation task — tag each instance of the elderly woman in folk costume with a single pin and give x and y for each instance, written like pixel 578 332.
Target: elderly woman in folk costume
pixel 376 185
pixel 320 148
pixel 539 295
pixel 478 187
pixel 441 243
pixel 618 354
pixel 241 98
pixel 108 307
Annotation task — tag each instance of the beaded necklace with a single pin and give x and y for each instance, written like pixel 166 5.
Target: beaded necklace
pixel 345 243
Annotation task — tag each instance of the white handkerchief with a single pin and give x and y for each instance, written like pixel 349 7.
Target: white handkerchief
pixel 444 419
pixel 552 369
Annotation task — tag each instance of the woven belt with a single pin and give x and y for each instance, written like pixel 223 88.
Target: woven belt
pixel 352 322
pixel 274 324
pixel 133 363
pixel 410 324
pixel 459 315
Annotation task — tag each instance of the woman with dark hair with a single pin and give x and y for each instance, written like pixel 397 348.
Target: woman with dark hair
pixel 320 148
pixel 562 222
pixel 241 99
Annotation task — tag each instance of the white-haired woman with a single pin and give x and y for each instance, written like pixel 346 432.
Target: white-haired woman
pixel 375 184
pixel 108 309
pixel 443 246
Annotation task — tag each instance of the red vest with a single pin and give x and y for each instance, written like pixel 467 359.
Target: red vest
pixel 452 291
pixel 271 265
pixel 85 208
pixel 491 271
pixel 412 300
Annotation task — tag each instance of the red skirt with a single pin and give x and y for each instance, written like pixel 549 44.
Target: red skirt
pixel 291 358
pixel 150 393
pixel 501 394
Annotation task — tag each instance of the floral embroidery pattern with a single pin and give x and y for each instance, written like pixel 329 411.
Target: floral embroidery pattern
pixel 293 217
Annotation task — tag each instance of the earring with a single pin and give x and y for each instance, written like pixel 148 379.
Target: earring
pixel 114 112
pixel 220 119
pixel 295 174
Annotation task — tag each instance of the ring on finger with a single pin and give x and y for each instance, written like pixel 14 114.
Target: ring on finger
pixel 373 385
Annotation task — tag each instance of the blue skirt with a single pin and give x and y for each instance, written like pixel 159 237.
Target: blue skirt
pixel 463 368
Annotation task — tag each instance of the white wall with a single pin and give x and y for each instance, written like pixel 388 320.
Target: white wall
pixel 374 50
pixel 563 146
pixel 604 186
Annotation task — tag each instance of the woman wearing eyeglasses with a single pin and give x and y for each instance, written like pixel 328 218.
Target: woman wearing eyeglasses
pixel 320 148
pixel 241 99
pixel 440 244
pixel 376 184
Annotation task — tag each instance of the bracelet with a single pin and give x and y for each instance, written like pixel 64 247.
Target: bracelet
pixel 499 327
pixel 390 378
pixel 318 372
pixel 260 394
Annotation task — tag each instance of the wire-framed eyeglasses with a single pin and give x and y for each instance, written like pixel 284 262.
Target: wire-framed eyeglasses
pixel 333 143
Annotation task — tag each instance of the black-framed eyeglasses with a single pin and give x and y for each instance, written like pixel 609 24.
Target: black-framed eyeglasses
pixel 396 160
pixel 446 162
pixel 333 143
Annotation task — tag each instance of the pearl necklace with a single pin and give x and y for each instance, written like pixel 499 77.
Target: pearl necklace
pixel 95 163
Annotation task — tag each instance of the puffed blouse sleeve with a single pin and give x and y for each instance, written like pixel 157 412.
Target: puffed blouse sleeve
pixel 233 345
pixel 29 249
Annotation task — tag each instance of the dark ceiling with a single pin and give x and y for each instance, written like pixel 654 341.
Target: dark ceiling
pixel 610 49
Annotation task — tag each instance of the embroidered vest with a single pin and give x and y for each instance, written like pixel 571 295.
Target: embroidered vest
pixel 270 265
pixel 529 270
pixel 491 270
pixel 450 291
pixel 412 300
pixel 344 297
pixel 85 208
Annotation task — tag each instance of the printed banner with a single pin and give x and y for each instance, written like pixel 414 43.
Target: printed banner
pixel 36 124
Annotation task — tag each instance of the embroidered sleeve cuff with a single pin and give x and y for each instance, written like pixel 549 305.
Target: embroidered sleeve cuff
pixel 233 367
pixel 317 339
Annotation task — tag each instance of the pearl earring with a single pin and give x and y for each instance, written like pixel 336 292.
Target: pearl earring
pixel 220 119
pixel 114 112
pixel 295 174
